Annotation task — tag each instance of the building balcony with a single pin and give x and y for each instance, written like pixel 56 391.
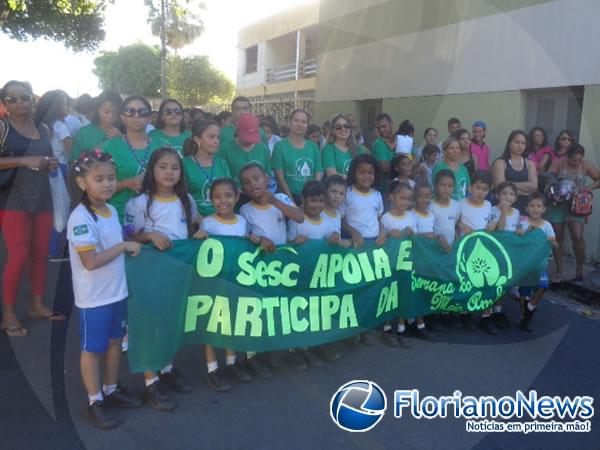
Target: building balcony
pixel 287 72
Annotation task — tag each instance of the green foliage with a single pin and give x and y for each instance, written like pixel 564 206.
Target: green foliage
pixel 134 69
pixel 76 23
pixel 182 21
pixel 193 81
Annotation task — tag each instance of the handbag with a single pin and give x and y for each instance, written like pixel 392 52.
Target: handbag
pixel 6 175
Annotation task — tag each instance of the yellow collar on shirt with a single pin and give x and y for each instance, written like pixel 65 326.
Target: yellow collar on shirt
pixel 105 214
pixel 229 222
pixel 172 198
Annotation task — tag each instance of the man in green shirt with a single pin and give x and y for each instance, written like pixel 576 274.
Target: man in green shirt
pixel 384 148
pixel 240 105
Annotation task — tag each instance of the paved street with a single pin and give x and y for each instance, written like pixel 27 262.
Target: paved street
pixel 43 400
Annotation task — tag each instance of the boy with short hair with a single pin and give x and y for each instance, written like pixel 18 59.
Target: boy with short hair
pixel 453 125
pixel 478 146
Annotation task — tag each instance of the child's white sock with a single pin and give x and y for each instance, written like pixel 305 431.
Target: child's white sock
pixel 530 306
pixel 421 325
pixel 109 389
pixel 212 366
pixel 167 368
pixel 97 397
pixel 230 360
pixel 151 381
pixel 401 328
pixel 497 308
pixel 411 321
pixel 250 355
pixel 387 327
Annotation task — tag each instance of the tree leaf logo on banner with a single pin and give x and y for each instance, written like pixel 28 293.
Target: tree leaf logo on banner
pixel 482 261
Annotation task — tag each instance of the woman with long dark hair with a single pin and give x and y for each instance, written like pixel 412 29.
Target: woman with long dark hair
pixel 170 127
pixel 539 149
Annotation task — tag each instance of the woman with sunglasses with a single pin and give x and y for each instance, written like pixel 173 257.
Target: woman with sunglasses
pixel 341 147
pixel 104 125
pixel 25 204
pixel 170 127
pixel 131 151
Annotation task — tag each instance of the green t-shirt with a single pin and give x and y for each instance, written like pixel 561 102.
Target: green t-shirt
pixel 236 157
pixel 299 165
pixel 86 139
pixel 200 179
pixel 461 179
pixel 175 142
pixel 382 152
pixel 334 158
pixel 129 163
pixel 228 134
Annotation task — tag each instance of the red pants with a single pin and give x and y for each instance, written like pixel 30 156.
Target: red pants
pixel 27 237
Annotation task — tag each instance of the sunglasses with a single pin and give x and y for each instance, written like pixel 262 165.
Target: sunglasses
pixel 141 112
pixel 23 98
pixel 565 138
pixel 346 126
pixel 174 111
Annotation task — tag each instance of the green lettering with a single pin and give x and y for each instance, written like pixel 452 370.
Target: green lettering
pixel 261 271
pixel 220 316
pixel 274 273
pixel 285 316
pixel 365 264
pixel 335 267
pixel 269 304
pixel 197 305
pixel 298 324
pixel 286 277
pixel 403 262
pixel 314 313
pixel 248 313
pixel 382 303
pixel 210 258
pixel 320 272
pixel 382 264
pixel 351 270
pixel 246 277
pixel 330 304
pixel 347 312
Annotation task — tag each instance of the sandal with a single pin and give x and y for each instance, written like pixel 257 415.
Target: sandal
pixel 54 316
pixel 15 330
pixel 556 278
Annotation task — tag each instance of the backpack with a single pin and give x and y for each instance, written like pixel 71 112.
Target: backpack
pixel 582 203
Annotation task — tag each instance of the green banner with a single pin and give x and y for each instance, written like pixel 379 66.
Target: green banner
pixel 229 293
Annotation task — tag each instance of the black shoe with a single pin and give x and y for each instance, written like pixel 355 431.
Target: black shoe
pixel 487 325
pixel 311 357
pixel 175 381
pixel 257 368
pixel 329 352
pixel 524 325
pixel 466 321
pixel 389 339
pixel 367 338
pixel 238 373
pixel 216 381
pixel 157 398
pixel 273 359
pixel 433 322
pixel 122 399
pixel 296 361
pixel 500 320
pixel 420 333
pixel 527 313
pixel 100 416
pixel 403 339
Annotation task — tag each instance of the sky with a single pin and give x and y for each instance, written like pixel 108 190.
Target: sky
pixel 49 65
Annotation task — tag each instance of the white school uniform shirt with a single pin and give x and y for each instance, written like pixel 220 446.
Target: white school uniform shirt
pixel 336 220
pixel 217 226
pixel 167 216
pixel 404 144
pixel 106 284
pixel 362 211
pixel 312 229
pixel 266 220
pixel 74 123
pixel 425 222
pixel 546 227
pixel 512 218
pixel 393 222
pixel 60 132
pixel 474 216
pixel 445 219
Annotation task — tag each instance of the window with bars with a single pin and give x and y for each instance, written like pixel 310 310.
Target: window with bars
pixel 252 59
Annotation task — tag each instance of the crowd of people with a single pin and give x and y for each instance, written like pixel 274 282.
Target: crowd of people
pixel 136 179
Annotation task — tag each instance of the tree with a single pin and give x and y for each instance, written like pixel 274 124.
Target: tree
pixel 134 69
pixel 194 81
pixel 76 23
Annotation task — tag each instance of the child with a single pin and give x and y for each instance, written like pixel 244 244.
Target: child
pixel 265 214
pixel 96 251
pixel 446 213
pixel 335 194
pixel 398 222
pixel 475 215
pixel 451 148
pixel 363 208
pixel 224 195
pixel 405 137
pixel 164 211
pixel 425 168
pixel 536 207
pixel 504 218
pixel 401 170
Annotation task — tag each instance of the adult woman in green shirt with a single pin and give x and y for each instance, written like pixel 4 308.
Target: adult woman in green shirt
pixel 131 151
pixel 451 161
pixel 104 125
pixel 170 128
pixel 202 166
pixel 341 147
pixel 296 160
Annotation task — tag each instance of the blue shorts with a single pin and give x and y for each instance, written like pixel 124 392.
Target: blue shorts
pixel 98 325
pixel 528 291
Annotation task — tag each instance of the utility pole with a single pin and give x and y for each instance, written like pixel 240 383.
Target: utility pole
pixel 163 49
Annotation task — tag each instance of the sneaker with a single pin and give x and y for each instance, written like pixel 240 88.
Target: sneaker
pixel 296 361
pixel 403 339
pixel 466 321
pixel 216 381
pixel 120 398
pixel 433 322
pixel 238 373
pixel 329 352
pixel 500 320
pixel 125 343
pixel 367 338
pixel 420 333
pixel 311 357
pixel 257 368
pixel 157 398
pixel 389 339
pixel 175 381
pixel 527 313
pixel 273 359
pixel 100 416
pixel 487 325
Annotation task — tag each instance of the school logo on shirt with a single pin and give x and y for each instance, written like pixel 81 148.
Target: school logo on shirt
pixel 304 167
pixel 482 261
pixel 206 191
pixel 80 229
pixel 462 187
pixel 347 165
